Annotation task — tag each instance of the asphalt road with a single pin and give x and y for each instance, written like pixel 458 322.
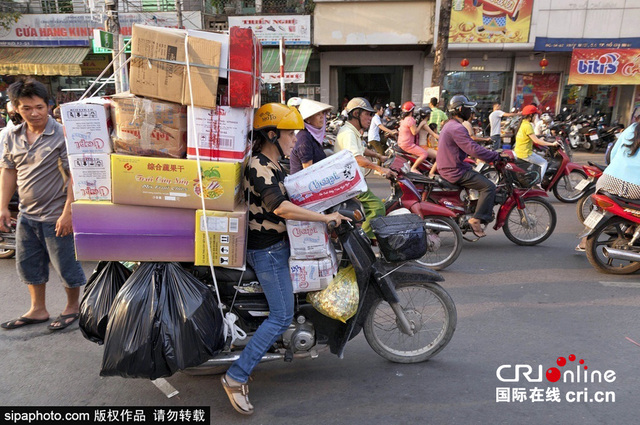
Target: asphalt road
pixel 516 305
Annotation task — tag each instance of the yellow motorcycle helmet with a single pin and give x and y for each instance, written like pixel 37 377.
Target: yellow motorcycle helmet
pixel 277 116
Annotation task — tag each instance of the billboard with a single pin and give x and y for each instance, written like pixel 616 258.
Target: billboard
pixel 605 66
pixel 490 21
pixel 295 29
pixel 538 88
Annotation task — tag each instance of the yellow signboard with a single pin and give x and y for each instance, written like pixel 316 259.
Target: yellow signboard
pixel 490 21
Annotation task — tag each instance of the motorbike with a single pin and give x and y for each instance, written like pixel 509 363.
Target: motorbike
pixel 613 231
pixel 8 239
pixel 585 205
pixel 406 316
pixel 584 133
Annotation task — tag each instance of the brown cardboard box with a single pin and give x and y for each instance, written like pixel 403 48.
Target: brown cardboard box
pixel 158 65
pixel 148 127
pixel 227 237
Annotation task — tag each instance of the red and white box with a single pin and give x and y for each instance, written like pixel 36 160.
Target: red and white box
pixel 308 239
pixel 312 275
pixel 91 175
pixel 87 126
pixel 221 134
pixel 245 55
pixel 326 183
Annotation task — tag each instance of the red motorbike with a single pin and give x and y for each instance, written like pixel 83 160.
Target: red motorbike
pixel 585 204
pixel 613 234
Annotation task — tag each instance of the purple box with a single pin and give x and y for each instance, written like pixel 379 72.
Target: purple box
pixel 111 232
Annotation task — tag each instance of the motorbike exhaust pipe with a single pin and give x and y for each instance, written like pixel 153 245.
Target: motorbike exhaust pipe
pixel 436 226
pixel 11 246
pixel 619 254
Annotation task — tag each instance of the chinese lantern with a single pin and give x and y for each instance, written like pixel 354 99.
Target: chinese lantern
pixel 464 63
pixel 543 64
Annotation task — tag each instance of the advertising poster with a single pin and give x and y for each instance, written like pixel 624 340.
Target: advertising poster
pixel 490 21
pixel 295 29
pixel 541 89
pixel 605 66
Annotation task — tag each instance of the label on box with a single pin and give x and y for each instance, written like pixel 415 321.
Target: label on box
pixel 91 176
pixel 308 239
pixel 87 126
pixel 227 238
pixel 221 134
pixel 312 275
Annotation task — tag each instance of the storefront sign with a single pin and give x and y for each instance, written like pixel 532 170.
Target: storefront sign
pixel 296 29
pixel 77 29
pixel 541 89
pixel 605 66
pixel 544 44
pixel 430 92
pixel 490 21
pixel 289 77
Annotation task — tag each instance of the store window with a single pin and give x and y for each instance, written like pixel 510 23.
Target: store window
pixel 158 5
pixel 590 99
pixel 538 88
pixel 57 6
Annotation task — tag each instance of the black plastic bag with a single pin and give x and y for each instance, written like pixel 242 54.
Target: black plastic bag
pixel 98 296
pixel 162 320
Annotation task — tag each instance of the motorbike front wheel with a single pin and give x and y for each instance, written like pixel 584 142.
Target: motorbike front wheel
pixel 615 233
pixel 444 246
pixel 564 189
pixel 584 206
pixel 532 225
pixel 431 313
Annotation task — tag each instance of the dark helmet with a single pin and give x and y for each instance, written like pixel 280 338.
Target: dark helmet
pixel 458 101
pixel 424 111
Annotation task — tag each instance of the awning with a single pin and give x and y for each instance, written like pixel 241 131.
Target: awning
pixel 295 65
pixel 42 60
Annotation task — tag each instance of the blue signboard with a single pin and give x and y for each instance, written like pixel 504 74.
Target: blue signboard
pixel 544 44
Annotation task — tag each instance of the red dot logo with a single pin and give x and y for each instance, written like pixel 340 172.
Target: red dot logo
pixel 572 357
pixel 553 374
pixel 561 361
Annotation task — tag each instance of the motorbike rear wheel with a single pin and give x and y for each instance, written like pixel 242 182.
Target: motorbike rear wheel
pixel 7 253
pixel 612 234
pixel 584 206
pixel 542 222
pixel 564 189
pixel 444 246
pixel 431 313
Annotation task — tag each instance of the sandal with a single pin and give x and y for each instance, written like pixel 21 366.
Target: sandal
pixel 477 230
pixel 63 321
pixel 238 396
pixel 26 321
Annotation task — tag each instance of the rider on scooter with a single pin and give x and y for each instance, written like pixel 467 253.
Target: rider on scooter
pixel 407 137
pixel 526 138
pixel 453 147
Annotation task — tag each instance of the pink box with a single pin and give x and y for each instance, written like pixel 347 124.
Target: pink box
pixel 111 232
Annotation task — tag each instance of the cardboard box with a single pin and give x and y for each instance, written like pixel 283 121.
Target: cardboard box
pixel 158 65
pixel 312 275
pixel 148 127
pixel 245 54
pixel 308 239
pixel 227 238
pixel 221 134
pixel 87 126
pixel 91 176
pixel 326 183
pixel 174 183
pixel 106 231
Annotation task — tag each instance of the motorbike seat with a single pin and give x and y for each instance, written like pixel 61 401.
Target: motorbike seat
pixel 234 276
pixel 446 185
pixel 400 151
pixel 598 166
pixel 625 202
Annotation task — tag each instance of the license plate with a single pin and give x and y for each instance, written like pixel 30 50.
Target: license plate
pixel 583 183
pixel 506 140
pixel 593 219
pixel 593 137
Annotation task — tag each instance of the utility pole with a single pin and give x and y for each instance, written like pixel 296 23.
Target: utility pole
pixel 179 12
pixel 440 59
pixel 112 25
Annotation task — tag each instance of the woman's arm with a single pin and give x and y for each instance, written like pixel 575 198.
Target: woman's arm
pixel 541 142
pixel 290 211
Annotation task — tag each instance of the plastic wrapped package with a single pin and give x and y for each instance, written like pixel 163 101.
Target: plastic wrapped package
pixel 340 299
pixel 163 320
pixel 98 296
pixel 401 237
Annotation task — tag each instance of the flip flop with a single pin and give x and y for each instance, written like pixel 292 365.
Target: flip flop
pixel 62 320
pixel 13 324
pixel 482 234
pixel 243 392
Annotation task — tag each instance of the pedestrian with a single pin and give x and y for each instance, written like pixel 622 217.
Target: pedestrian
pixel 359 114
pixel 374 136
pixel 438 117
pixel 495 120
pixel 308 148
pixel 35 160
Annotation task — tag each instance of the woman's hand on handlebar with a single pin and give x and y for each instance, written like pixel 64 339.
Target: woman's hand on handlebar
pixel 335 219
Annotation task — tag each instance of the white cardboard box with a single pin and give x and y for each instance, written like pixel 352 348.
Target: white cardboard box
pixel 221 134
pixel 308 239
pixel 312 275
pixel 91 175
pixel 87 126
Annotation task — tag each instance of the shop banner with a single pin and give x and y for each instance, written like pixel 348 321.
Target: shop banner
pixel 77 29
pixel 295 29
pixel 490 21
pixel 289 77
pixel 544 44
pixel 605 66
pixel 541 89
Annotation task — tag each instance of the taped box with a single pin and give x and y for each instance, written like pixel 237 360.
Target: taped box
pixel 87 126
pixel 110 232
pixel 312 275
pixel 227 238
pixel 326 183
pixel 148 127
pixel 91 175
pixel 174 183
pixel 221 134
pixel 308 239
pixel 158 65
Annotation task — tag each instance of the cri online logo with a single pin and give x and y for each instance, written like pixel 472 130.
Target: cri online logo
pixel 575 372
pixel 605 64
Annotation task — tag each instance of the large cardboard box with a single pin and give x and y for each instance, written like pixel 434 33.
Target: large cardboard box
pixel 148 127
pixel 106 231
pixel 174 183
pixel 308 239
pixel 87 126
pixel 227 238
pixel 312 275
pixel 158 65
pixel 91 175
pixel 245 55
pixel 221 134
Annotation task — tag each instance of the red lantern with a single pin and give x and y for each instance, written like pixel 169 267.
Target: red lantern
pixel 543 64
pixel 464 63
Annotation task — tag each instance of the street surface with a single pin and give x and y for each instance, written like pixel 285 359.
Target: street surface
pixel 516 305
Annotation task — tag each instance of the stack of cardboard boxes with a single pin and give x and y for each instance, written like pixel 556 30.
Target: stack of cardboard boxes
pixel 133 158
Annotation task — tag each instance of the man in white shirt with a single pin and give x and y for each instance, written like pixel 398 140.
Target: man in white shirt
pixel 495 118
pixel 375 127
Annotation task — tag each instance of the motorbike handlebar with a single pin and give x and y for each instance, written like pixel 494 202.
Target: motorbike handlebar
pixel 332 225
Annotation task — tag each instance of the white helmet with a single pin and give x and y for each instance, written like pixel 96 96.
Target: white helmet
pixel 294 101
pixel 546 118
pixel 310 107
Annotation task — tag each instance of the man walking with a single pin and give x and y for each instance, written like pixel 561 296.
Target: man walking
pixel 35 160
pixel 495 119
pixel 437 115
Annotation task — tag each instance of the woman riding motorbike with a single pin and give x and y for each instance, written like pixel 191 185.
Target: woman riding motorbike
pixel 308 148
pixel 407 137
pixel 267 245
pixel 525 138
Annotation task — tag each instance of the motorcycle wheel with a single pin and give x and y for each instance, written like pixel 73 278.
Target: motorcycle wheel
pixel 584 206
pixel 444 246
pixel 491 173
pixel 613 234
pixel 563 189
pixel 7 253
pixel 431 313
pixel 543 217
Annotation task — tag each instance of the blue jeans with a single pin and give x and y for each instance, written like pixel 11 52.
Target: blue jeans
pixel 37 245
pixel 272 268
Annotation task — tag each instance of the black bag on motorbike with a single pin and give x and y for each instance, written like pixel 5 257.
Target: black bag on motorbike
pixel 98 296
pixel 401 237
pixel 162 320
